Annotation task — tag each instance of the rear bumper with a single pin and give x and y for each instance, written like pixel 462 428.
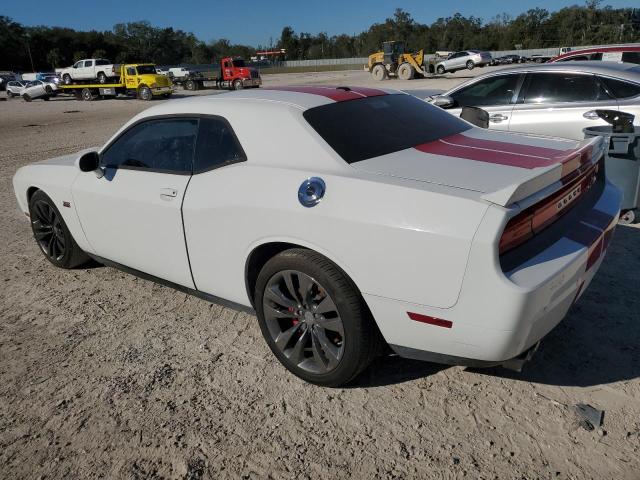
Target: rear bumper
pixel 501 314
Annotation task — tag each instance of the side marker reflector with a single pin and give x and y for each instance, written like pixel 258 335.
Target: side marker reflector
pixel 438 322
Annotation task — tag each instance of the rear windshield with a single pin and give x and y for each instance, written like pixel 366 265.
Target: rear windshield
pixel 370 127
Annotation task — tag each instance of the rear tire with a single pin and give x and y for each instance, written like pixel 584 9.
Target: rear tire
pixel 46 98
pixel 323 342
pixel 470 65
pixel 378 72
pixel 51 233
pixel 102 78
pixel 26 97
pixel 86 95
pixel 190 85
pixel 627 218
pixel 440 70
pixel 406 72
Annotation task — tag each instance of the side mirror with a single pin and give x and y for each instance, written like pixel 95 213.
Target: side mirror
pixel 443 101
pixel 90 162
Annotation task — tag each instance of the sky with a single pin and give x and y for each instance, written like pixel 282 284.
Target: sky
pixel 260 22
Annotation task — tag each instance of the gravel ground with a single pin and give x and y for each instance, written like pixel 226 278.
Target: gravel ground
pixel 106 375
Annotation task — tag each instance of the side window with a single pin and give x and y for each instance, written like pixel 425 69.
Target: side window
pixel 631 57
pixel 620 89
pixel 217 145
pixel 102 62
pixel 77 64
pixel 88 63
pixel 496 90
pixel 131 71
pixel 562 87
pixel 164 145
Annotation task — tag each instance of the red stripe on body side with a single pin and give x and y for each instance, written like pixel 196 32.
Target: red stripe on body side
pixel 438 322
pixel 336 94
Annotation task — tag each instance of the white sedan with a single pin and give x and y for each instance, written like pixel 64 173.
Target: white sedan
pixel 15 88
pixel 39 89
pixel 346 218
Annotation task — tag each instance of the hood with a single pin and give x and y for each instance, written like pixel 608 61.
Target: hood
pixel 67 160
pixel 502 167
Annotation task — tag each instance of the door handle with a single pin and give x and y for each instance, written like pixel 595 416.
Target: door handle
pixel 168 193
pixel 591 115
pixel 498 117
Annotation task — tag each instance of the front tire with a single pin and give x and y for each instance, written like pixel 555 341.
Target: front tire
pixel 66 78
pixel 26 97
pixel 51 233
pixel 237 84
pixel 406 72
pixel 144 93
pixel 314 319
pixel 440 70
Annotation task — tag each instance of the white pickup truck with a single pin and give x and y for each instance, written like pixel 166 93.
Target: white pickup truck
pixel 99 69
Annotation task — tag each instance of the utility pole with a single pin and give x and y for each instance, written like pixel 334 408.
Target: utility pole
pixel 33 69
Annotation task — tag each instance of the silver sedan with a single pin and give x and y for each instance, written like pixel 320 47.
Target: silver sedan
pixel 555 99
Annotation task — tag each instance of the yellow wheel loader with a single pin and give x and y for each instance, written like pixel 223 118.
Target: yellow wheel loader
pixel 392 61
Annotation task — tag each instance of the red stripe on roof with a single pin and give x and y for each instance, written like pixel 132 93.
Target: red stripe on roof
pixel 334 93
pixel 505 153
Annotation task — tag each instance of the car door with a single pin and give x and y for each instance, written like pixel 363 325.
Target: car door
pixel 209 205
pixel 560 104
pixel 86 71
pixel 495 94
pixel 132 214
pixel 35 89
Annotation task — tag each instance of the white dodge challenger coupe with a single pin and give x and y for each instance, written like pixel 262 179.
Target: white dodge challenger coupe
pixel 349 219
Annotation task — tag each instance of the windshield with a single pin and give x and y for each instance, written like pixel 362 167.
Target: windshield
pixel 146 69
pixel 239 63
pixel 370 127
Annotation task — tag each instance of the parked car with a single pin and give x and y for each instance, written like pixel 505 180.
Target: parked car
pixel 39 89
pixel 15 88
pixel 384 219
pixel 556 99
pixel 627 54
pixel 99 69
pixel 468 59
pixel 179 72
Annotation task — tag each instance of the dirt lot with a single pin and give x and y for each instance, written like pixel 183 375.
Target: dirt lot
pixel 106 375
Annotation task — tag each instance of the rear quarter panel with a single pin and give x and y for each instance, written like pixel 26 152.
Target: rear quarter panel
pixel 392 240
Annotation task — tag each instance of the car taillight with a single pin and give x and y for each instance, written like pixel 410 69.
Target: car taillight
pixel 539 216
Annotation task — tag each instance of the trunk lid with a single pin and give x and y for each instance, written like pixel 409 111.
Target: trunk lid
pixel 503 168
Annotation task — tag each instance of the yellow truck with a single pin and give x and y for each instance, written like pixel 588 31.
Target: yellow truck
pixel 139 80
pixel 393 61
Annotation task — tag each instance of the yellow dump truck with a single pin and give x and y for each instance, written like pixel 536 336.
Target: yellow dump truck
pixel 139 80
pixel 393 61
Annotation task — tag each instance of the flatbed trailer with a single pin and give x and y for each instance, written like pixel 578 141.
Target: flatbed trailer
pixel 135 80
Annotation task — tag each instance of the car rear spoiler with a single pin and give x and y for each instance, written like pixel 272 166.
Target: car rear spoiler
pixel 544 181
